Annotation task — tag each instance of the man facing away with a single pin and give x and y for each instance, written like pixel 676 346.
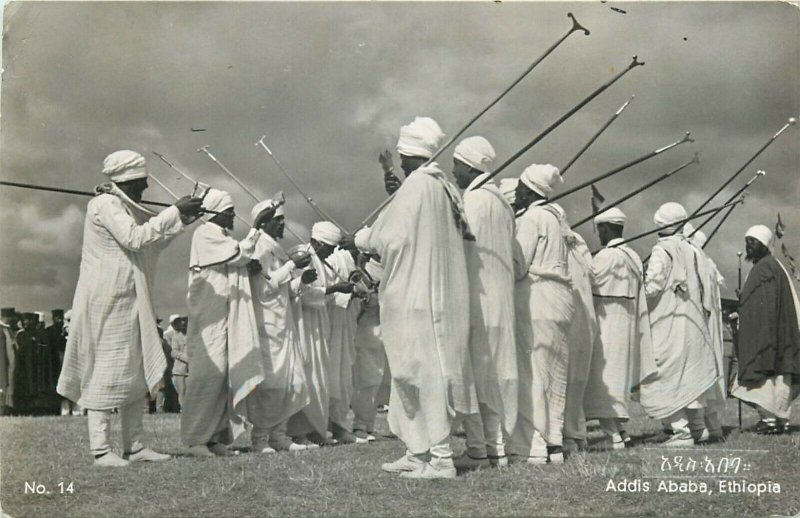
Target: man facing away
pixel 676 286
pixel 424 306
pixel 8 348
pixel 768 348
pixel 114 357
pixel 222 336
pixel 623 357
pixel 490 266
pixel 541 272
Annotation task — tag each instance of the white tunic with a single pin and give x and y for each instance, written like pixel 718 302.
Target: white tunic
pixel 424 300
pixel 284 391
pixel 676 289
pixel 623 357
pixel 114 354
pixel 490 266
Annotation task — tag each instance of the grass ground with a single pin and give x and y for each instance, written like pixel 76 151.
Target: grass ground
pixel 347 480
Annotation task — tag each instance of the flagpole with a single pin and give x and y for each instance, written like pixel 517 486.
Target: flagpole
pixel 736 351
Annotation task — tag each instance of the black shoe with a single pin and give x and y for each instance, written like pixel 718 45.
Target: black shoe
pixel 768 428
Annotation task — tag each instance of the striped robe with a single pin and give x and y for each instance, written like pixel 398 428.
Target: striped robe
pixel 114 354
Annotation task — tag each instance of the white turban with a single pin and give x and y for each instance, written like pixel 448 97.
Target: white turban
pixel 420 138
pixel 541 178
pixel 277 201
pixel 476 152
pixel 217 201
pixel 762 233
pixel 699 238
pixel 326 232
pixel 173 317
pixel 669 213
pixel 508 187
pixel 124 166
pixel 612 215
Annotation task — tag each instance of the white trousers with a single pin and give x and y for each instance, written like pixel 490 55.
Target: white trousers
pixel 365 408
pixel 688 419
pixel 611 425
pixel 441 450
pixel 132 429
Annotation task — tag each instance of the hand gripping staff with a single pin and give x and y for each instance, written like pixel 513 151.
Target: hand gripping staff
pixel 575 27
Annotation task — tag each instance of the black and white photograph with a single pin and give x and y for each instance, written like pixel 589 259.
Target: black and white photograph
pixel 402 259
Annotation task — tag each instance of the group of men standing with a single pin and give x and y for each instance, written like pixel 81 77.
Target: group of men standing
pixel 492 311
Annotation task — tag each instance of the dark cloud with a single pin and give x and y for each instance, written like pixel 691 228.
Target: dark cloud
pixel 330 83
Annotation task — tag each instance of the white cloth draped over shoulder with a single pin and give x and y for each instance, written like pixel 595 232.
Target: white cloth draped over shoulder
pixel 284 391
pixel 424 300
pixel 542 274
pixel 677 294
pixel 343 310
pixel 490 266
pixel 222 337
pixel 314 326
pixel 623 357
pixel 114 354
pixel 715 396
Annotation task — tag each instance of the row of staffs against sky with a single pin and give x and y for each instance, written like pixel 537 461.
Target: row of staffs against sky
pixel 489 320
pixel 529 244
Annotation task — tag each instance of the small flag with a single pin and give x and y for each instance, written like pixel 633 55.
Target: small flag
pixel 779 227
pixel 790 260
pixel 597 199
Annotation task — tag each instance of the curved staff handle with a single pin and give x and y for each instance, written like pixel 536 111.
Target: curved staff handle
pixel 575 27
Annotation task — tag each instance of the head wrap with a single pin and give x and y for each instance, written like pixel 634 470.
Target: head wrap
pixel 541 178
pixel 669 213
pixel 699 239
pixel 57 312
pixel 420 138
pixel 508 187
pixel 277 201
pixel 761 233
pixel 124 166
pixel 68 314
pixel 612 215
pixel 7 312
pixel 217 200
pixel 326 232
pixel 476 152
pixel 173 317
pixel 39 315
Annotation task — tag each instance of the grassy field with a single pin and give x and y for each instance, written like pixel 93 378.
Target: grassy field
pixel 347 480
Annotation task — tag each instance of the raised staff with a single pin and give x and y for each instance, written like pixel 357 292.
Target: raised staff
pixel 623 167
pixel 575 27
pixel 758 175
pixel 694 160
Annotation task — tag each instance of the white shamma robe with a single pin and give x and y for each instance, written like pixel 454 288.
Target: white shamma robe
pixel 544 307
pixel 283 392
pixel 490 265
pixel 676 288
pixel 424 300
pixel 114 354
pixel 623 357
pixel 222 338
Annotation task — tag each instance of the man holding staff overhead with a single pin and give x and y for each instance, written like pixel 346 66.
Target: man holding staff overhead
pixel 490 265
pixel 114 355
pixel 544 307
pixel 675 285
pixel 424 299
pixel 769 336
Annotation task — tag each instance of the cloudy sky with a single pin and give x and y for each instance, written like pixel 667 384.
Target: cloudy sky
pixel 330 84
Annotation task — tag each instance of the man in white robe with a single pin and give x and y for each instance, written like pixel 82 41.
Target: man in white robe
pixel 714 397
pixel 114 356
pixel 541 272
pixel 284 391
pixel 222 335
pixel 370 360
pixel 623 357
pixel 675 285
pixel 310 425
pixel 424 300
pixel 7 358
pixel 180 367
pixel 490 267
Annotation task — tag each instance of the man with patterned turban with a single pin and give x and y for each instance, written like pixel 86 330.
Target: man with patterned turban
pixel 310 425
pixel 541 272
pixel 283 392
pixel 678 297
pixel 114 357
pixel 424 305
pixel 222 336
pixel 623 357
pixel 768 348
pixel 490 267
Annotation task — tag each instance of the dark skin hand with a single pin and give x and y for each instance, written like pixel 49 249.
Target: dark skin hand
pixel 254 267
pixel 340 287
pixel 308 276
